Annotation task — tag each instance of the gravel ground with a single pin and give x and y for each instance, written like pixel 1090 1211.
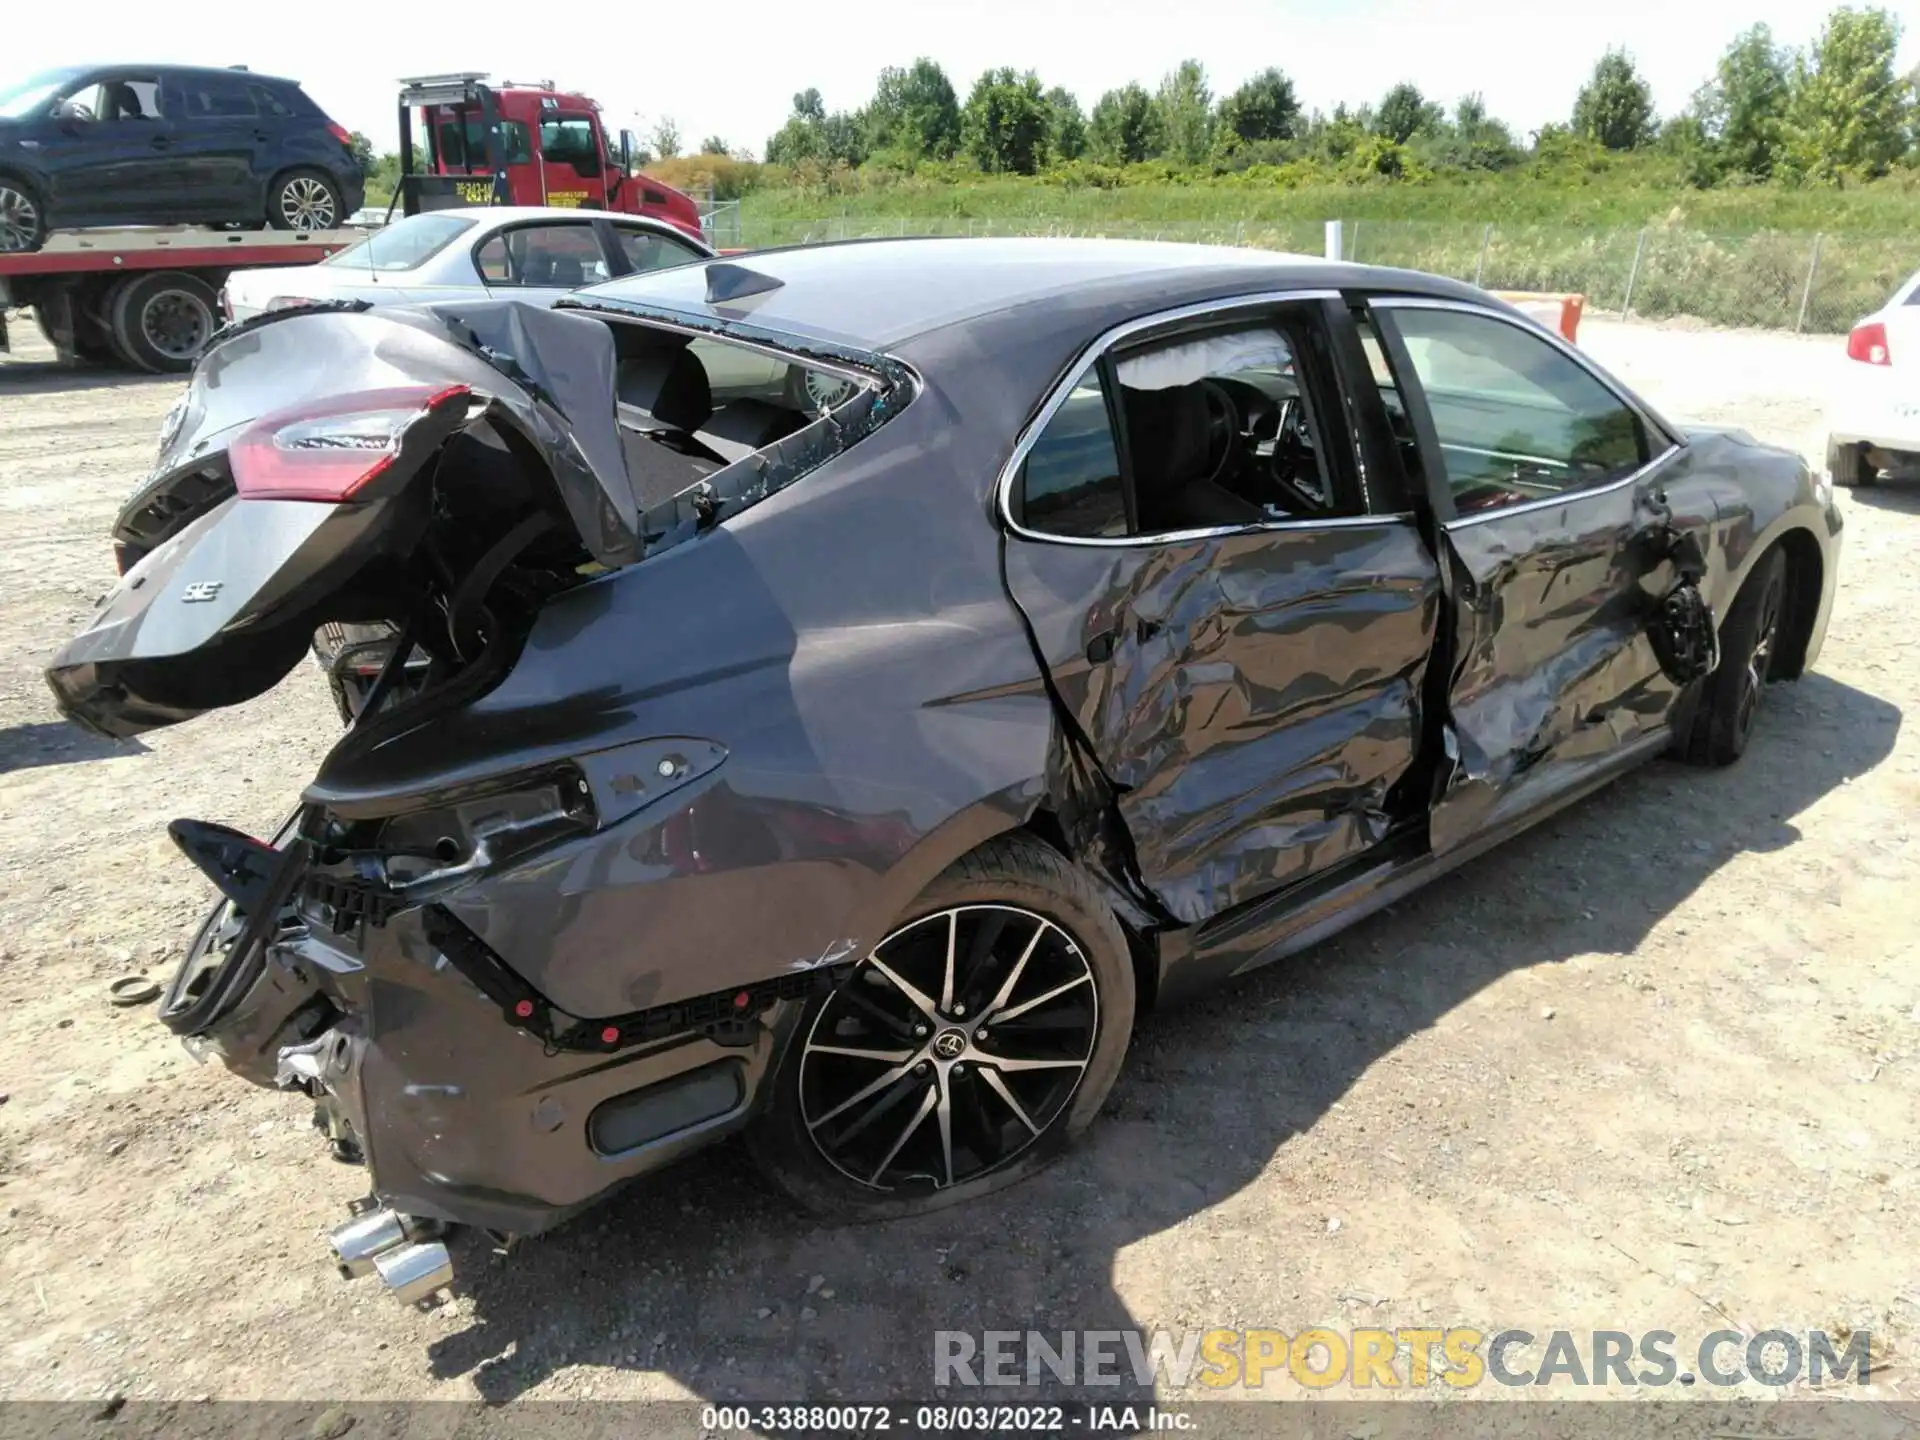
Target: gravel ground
pixel 1652 1068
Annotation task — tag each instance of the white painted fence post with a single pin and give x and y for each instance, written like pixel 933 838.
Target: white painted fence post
pixel 1806 293
pixel 1334 249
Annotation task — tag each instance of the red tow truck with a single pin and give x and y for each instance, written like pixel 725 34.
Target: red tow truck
pixel 523 145
pixel 145 297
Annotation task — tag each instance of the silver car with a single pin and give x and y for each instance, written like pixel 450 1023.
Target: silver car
pixel 526 253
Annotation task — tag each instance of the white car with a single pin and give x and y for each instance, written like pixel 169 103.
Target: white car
pixel 504 252
pixel 1873 419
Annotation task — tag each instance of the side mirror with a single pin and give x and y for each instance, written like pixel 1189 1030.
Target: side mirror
pixel 627 148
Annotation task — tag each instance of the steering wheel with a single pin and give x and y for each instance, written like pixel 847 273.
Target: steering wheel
pixel 1223 428
pixel 1294 454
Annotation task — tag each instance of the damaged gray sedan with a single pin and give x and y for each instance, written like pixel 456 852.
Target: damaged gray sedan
pixel 829 694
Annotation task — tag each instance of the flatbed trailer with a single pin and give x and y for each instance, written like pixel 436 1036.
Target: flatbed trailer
pixel 144 297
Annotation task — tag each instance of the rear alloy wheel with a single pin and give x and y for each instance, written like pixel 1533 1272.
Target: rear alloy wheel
pixel 1723 723
pixel 23 224
pixel 161 322
pixel 964 1051
pixel 304 200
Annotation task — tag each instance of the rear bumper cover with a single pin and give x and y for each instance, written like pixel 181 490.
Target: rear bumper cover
pixel 463 1118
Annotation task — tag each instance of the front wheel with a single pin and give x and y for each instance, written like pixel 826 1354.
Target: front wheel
pixel 966 1051
pixel 1723 723
pixel 305 200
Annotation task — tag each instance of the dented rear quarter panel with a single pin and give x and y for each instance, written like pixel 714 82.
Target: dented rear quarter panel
pixel 848 643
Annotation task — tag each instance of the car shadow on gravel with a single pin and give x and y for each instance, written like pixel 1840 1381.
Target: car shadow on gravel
pixel 703 1277
pixel 55 742
pixel 50 377
pixel 1901 495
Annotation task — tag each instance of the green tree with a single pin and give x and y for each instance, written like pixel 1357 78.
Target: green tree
pixel 1473 140
pixel 915 110
pixel 1264 108
pixel 1404 113
pixel 1066 126
pixel 666 138
pixel 363 155
pixel 1125 127
pixel 1186 113
pixel 812 134
pixel 1615 107
pixel 1334 138
pixel 1847 112
pixel 1743 112
pixel 715 145
pixel 1004 124
pixel 843 138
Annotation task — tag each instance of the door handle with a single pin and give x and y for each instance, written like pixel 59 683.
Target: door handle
pixel 160 142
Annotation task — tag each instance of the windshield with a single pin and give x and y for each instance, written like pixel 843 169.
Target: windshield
pixel 405 245
pixel 21 98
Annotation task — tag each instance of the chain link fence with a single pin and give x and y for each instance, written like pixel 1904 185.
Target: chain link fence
pixel 1819 284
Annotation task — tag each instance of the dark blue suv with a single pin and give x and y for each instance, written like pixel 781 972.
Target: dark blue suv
pixel 168 144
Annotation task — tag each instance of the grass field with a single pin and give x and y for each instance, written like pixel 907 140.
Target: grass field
pixel 1621 196
pixel 1734 256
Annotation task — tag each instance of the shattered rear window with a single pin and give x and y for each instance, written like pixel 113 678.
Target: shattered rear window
pixel 689 408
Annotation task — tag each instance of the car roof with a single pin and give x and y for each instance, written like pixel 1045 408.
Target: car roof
pixel 228 71
pixel 494 216
pixel 880 294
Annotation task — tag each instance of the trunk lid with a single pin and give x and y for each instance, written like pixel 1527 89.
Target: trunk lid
pixel 252 530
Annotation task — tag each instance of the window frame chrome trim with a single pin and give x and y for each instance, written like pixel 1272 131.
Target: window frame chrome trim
pixel 1089 358
pixel 1655 423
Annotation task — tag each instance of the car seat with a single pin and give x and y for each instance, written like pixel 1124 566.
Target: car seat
pixel 1169 438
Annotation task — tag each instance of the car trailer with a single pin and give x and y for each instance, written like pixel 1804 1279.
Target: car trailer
pixel 144 297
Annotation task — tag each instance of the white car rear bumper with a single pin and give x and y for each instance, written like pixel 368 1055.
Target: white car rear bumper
pixel 1876 405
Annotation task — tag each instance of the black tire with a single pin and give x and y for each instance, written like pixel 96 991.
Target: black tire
pixel 305 200
pixel 23 217
pixel 92 342
pixel 1723 723
pixel 1850 466
pixel 999 889
pixel 161 322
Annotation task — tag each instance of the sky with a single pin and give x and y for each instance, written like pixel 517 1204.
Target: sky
pixel 731 68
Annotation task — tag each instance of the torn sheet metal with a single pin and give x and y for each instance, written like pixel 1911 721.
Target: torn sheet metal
pixel 1252 698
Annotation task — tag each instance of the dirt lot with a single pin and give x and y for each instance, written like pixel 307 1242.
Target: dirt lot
pixel 1654 1067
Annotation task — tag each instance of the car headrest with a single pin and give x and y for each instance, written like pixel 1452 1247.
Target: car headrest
pixel 753 423
pixel 671 386
pixel 1167 435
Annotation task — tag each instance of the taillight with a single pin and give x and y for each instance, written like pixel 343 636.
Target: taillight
pixel 329 450
pixel 340 133
pixel 1868 344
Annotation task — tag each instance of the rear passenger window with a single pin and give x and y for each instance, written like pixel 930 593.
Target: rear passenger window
pixel 216 99
pixel 647 250
pixel 1070 484
pixel 268 103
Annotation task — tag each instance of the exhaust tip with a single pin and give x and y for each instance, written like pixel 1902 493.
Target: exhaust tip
pixel 413 1272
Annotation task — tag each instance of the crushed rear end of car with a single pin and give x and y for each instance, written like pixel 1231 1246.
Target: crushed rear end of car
pixel 448 474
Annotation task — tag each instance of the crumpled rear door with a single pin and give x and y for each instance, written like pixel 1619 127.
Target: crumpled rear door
pixel 1253 698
